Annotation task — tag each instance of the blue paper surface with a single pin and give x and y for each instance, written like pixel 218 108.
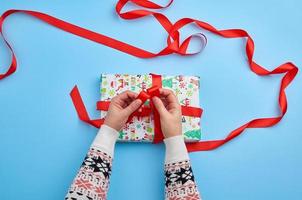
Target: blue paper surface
pixel 43 142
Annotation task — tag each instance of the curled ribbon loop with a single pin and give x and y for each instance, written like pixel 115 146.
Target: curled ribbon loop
pixel 183 49
pixel 173 39
pixel 173 46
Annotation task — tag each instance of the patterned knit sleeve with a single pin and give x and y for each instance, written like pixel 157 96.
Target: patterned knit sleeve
pixel 179 178
pixel 92 180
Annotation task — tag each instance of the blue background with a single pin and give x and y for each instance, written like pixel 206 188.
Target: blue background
pixel 43 142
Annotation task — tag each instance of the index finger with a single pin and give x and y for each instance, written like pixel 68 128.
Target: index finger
pixel 168 95
pixel 127 95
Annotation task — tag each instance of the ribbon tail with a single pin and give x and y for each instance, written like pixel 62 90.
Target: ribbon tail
pixel 81 109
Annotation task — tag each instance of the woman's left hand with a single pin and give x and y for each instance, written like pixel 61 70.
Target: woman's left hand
pixel 120 108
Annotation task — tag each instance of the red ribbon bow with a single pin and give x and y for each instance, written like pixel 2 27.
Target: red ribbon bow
pixel 149 93
pixel 145 95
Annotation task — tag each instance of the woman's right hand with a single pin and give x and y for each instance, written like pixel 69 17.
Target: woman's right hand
pixel 169 110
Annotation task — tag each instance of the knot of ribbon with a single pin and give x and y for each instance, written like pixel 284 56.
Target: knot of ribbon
pixel 144 95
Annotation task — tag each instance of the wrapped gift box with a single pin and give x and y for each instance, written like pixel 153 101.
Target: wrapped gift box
pixel 141 129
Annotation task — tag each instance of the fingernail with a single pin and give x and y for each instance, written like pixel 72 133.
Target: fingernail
pixel 138 101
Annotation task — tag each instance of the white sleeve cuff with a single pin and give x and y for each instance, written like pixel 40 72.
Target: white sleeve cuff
pixel 176 150
pixel 105 140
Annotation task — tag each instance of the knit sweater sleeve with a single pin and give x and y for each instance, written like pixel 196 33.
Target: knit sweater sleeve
pixel 92 180
pixel 179 178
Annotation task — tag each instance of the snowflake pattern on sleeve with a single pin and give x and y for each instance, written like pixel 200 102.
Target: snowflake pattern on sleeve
pixel 92 180
pixel 180 184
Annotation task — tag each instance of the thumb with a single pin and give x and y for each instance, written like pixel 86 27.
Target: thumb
pixel 133 106
pixel 159 105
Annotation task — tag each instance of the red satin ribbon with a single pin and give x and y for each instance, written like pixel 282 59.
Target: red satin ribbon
pixel 173 46
pixel 154 91
pixel 81 109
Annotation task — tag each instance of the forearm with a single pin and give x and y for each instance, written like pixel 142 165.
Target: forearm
pixel 179 178
pixel 92 180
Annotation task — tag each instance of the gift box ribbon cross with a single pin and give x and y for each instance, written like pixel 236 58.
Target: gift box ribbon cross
pixel 145 111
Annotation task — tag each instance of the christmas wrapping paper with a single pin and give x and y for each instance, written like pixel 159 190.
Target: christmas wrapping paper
pixel 186 88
